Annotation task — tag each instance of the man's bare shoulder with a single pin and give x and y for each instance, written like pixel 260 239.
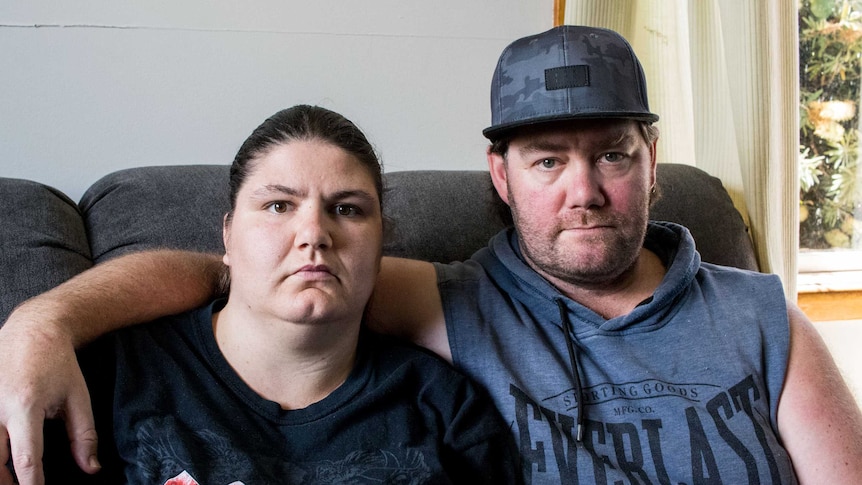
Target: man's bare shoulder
pixel 819 421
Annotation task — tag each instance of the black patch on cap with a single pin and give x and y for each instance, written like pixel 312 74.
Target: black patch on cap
pixel 567 77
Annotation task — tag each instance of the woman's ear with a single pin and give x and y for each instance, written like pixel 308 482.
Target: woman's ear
pixel 497 167
pixel 225 234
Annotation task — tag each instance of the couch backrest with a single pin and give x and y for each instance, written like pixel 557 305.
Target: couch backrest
pixel 177 206
pixel 42 241
pixel 435 215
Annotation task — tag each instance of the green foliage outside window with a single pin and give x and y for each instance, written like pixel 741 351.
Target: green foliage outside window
pixel 830 58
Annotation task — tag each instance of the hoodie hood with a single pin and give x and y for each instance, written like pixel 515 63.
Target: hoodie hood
pixel 504 263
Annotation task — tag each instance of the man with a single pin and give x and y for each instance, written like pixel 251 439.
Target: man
pixel 615 354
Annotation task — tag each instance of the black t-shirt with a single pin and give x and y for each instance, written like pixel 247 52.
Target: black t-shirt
pixel 177 410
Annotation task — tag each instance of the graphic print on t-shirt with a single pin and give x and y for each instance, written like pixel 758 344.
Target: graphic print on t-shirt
pixel 170 453
pixel 714 430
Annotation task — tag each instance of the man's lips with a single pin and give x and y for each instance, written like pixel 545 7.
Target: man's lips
pixel 591 227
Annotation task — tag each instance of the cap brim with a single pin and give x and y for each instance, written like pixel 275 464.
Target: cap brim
pixel 496 132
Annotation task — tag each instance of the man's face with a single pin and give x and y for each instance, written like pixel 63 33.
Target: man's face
pixel 579 194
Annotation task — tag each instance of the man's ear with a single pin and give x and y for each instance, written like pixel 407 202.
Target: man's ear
pixel 497 167
pixel 225 236
pixel 653 162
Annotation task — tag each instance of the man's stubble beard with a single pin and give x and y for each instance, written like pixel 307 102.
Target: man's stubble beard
pixel 619 254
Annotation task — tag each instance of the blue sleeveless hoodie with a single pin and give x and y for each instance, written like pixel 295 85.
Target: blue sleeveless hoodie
pixel 684 389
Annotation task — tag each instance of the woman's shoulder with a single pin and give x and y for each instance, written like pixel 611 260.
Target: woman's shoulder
pixel 396 358
pixel 406 369
pixel 394 350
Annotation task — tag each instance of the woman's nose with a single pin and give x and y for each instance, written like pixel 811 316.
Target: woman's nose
pixel 313 228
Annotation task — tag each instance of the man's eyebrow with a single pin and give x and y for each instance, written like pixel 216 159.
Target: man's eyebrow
pixel 542 145
pixel 610 138
pixel 623 137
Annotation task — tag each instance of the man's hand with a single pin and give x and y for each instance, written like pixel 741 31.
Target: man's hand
pixel 39 373
pixel 40 379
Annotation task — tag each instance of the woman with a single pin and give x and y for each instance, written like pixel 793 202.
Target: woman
pixel 280 383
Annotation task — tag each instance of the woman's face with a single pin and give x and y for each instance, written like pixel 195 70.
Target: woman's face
pixel 305 239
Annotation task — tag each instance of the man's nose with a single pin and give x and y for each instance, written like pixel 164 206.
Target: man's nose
pixel 583 186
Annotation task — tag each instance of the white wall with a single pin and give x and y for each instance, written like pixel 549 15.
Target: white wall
pixel 93 86
pixel 842 338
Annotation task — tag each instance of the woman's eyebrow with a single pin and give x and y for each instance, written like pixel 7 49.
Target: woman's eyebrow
pixel 269 189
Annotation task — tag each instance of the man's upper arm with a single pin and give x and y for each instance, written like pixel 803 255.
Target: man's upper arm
pixel 406 303
pixel 818 418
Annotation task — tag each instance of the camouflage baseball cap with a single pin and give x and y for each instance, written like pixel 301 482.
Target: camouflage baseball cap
pixel 568 72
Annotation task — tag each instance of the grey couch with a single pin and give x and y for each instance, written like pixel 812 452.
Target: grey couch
pixel 46 238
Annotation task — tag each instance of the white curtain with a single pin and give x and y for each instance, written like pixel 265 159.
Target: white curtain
pixel 723 77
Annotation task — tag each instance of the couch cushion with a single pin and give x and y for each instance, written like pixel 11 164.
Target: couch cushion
pixel 439 215
pixel 176 207
pixel 42 241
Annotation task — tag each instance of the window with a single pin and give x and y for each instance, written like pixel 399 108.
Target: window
pixel 830 55
pixel 830 216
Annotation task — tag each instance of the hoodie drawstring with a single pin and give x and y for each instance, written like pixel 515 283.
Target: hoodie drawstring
pixel 573 359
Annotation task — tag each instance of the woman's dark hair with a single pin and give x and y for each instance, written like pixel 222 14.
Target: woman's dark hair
pixel 303 123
